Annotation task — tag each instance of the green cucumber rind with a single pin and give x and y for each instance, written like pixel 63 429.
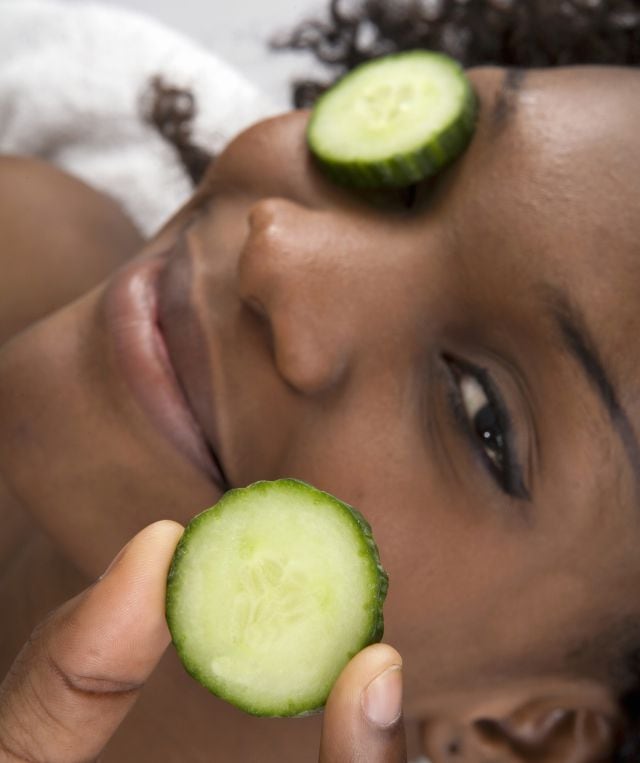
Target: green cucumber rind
pixel 369 548
pixel 403 169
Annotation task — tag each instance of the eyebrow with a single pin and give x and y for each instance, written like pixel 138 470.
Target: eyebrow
pixel 579 341
pixel 505 103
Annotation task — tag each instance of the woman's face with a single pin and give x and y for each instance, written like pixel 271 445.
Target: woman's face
pixel 463 370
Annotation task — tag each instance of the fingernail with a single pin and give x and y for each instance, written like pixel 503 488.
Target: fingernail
pixel 382 699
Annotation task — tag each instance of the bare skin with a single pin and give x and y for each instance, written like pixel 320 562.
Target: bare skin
pixel 89 237
pixel 322 336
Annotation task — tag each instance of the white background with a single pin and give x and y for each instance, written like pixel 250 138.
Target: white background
pixel 239 30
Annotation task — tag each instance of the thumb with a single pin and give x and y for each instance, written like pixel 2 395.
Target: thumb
pixel 362 718
pixel 82 669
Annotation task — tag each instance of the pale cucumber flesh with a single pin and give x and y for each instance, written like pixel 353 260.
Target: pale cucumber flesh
pixel 394 120
pixel 271 592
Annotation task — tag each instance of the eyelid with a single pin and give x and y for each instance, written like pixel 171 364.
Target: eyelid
pixel 510 480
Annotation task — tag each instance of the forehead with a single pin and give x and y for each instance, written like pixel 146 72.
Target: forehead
pixel 573 131
pixel 546 201
pixel 561 141
pixel 549 189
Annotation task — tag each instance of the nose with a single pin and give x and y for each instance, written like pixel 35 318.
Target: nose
pixel 291 276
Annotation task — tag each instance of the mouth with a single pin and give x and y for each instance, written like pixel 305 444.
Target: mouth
pixel 133 309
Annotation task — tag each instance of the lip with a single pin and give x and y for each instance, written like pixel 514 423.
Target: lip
pixel 133 322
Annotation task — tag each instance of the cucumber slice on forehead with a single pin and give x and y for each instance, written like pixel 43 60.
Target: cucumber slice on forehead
pixel 271 592
pixel 393 121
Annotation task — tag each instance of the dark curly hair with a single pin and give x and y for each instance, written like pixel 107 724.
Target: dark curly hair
pixel 171 110
pixel 516 33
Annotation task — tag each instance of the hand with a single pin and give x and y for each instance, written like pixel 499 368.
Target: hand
pixel 82 669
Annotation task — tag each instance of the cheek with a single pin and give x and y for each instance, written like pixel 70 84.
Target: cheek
pixel 71 451
pixel 459 606
pixel 470 600
pixel 452 563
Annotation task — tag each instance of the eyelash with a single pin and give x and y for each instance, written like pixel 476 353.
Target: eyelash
pixel 502 465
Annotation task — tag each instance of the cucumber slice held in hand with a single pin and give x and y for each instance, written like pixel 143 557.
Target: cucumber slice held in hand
pixel 394 120
pixel 271 592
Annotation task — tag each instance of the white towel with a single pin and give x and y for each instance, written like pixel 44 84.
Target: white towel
pixel 71 78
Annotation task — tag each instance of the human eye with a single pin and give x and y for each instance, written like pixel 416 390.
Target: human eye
pixel 484 418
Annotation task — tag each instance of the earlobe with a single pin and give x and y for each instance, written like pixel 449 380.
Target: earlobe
pixel 539 731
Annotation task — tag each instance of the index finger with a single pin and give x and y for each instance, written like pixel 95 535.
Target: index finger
pixel 82 669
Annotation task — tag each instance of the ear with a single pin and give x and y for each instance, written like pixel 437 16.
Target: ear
pixel 538 730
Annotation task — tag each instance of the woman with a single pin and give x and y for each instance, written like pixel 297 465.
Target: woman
pixel 456 362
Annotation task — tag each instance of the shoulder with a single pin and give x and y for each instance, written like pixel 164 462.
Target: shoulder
pixel 31 186
pixel 60 237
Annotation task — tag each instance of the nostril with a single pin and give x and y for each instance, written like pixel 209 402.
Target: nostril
pixel 256 307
